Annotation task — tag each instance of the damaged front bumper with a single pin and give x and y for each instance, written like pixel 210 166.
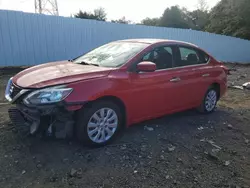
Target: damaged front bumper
pixel 54 119
pixel 51 120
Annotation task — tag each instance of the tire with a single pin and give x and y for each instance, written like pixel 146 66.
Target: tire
pixel 205 107
pixel 87 121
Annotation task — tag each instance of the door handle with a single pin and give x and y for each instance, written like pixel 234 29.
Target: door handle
pixel 176 79
pixel 205 75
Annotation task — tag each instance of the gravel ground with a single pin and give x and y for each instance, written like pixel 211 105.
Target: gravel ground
pixel 181 150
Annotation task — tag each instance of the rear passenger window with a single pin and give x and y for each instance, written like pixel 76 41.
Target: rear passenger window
pixel 189 56
pixel 204 58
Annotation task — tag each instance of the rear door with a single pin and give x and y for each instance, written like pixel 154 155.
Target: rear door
pixel 205 73
pixel 189 69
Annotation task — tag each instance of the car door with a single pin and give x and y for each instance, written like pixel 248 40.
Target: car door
pixel 188 70
pixel 205 73
pixel 154 93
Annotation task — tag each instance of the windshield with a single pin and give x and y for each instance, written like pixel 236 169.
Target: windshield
pixel 113 54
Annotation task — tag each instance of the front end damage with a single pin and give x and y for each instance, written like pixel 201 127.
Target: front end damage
pixel 52 120
pixel 49 120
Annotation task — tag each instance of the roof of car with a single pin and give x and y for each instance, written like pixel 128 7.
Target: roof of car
pixel 153 41
pixel 145 40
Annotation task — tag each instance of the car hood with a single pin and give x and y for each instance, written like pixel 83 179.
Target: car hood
pixel 56 73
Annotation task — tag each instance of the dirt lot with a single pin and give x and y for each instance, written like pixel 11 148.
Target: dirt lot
pixel 182 150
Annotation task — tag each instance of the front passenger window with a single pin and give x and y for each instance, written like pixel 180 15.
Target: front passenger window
pixel 146 57
pixel 161 56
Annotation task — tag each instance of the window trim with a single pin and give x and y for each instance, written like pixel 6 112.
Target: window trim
pixel 175 48
pixel 201 51
pixel 197 50
pixel 132 68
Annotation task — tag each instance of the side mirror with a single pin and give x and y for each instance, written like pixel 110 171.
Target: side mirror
pixel 146 66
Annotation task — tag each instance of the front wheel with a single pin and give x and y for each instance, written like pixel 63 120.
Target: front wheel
pixel 100 124
pixel 209 102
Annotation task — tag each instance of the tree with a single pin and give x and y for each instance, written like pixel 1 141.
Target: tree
pixel 99 14
pixel 151 21
pixel 230 17
pixel 122 20
pixel 202 5
pixel 174 17
pixel 199 19
pixel 177 17
pixel 84 15
pixel 200 16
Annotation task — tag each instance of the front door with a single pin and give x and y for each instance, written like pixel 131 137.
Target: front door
pixel 152 92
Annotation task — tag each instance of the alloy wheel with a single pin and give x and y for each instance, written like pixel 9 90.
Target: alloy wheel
pixel 102 125
pixel 211 100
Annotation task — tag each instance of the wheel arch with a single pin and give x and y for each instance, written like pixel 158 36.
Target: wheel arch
pixel 216 86
pixel 115 100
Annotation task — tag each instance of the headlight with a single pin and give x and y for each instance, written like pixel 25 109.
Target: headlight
pixel 48 95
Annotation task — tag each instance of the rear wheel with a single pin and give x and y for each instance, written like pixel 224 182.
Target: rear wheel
pixel 209 102
pixel 100 124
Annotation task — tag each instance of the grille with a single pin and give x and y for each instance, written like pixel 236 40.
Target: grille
pixel 15 90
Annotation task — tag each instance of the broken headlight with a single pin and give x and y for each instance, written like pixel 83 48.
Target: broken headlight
pixel 48 95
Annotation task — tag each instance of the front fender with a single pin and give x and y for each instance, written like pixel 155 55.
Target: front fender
pixel 90 90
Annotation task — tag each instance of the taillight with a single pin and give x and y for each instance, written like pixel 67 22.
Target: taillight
pixel 227 70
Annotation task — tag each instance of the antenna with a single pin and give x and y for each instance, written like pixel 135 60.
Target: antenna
pixel 46 7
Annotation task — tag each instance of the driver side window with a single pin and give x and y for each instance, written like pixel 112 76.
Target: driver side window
pixel 161 56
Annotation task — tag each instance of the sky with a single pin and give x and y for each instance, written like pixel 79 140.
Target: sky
pixel 134 10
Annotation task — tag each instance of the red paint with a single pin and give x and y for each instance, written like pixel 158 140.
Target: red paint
pixel 74 107
pixel 146 66
pixel 145 95
pixel 56 73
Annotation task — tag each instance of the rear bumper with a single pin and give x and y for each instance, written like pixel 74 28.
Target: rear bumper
pixel 52 120
pixel 223 89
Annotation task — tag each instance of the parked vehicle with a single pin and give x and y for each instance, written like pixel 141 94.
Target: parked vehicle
pixel 114 86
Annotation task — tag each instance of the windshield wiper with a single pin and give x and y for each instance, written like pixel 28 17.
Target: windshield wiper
pixel 85 63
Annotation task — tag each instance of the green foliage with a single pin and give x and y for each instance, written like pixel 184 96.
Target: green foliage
pixel 174 17
pixel 199 18
pixel 202 5
pixel 177 17
pixel 150 21
pixel 228 17
pixel 99 14
pixel 231 17
pixel 122 20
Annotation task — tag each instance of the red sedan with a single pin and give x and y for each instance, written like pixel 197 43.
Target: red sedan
pixel 121 83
